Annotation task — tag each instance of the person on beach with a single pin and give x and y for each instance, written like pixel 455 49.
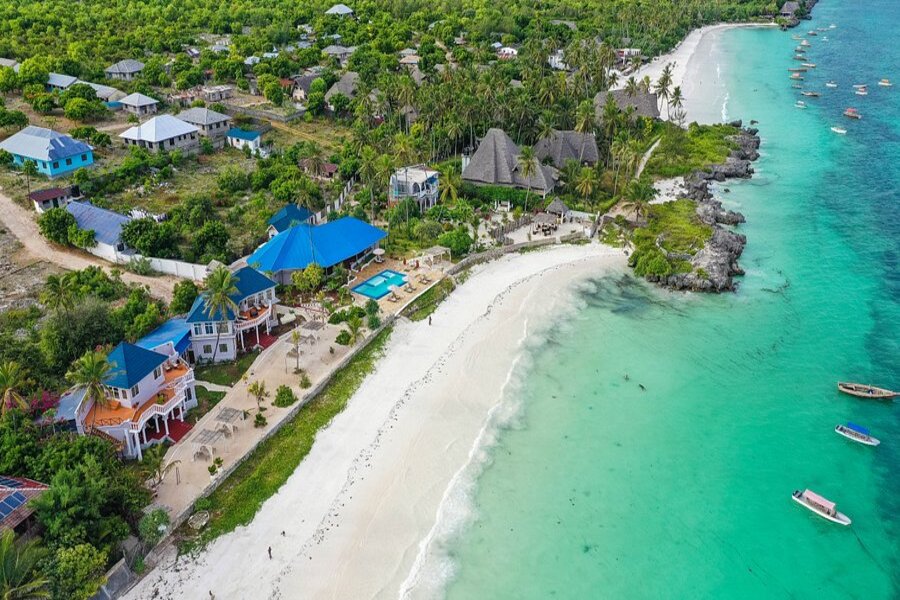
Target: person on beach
pixel 270 552
pixel 429 319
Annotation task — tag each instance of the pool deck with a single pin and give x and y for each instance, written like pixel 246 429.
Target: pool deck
pixel 413 275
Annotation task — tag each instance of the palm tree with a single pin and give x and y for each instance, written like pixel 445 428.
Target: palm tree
pixel 220 287
pixel 450 183
pixel 638 195
pixel 154 465
pixel 663 86
pixel 584 123
pixel 314 162
pixel 20 578
pixel 632 87
pixel 368 173
pixel 527 167
pixel 258 390
pixel 296 338
pixel 12 380
pixel 59 293
pixel 88 373
pixel 587 184
pixel 676 102
pixel 354 324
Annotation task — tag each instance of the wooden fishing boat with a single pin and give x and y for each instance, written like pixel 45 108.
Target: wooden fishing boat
pixel 862 92
pixel 853 114
pixel 861 390
pixel 885 83
pixel 810 94
pixel 819 505
pixel 857 433
pixel 799 57
pixel 797 70
pixel 809 65
pixel 800 104
pixel 796 86
pixel 831 84
pixel 839 130
pixel 813 33
pixel 797 76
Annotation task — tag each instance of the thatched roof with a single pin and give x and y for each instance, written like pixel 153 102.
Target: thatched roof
pixel 557 207
pixel 496 162
pixel 644 103
pixel 346 85
pixel 562 146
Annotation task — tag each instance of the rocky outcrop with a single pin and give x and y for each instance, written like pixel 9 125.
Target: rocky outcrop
pixel 716 264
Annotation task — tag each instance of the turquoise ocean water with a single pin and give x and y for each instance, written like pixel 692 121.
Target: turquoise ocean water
pixel 600 490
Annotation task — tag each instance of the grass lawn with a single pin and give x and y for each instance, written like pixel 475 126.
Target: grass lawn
pixel 226 373
pixel 681 152
pixel 238 499
pixel 206 400
pixel 428 302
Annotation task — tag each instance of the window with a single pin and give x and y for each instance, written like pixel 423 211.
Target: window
pixel 56 165
pixel 134 391
pixel 115 392
pixel 209 328
pixel 223 347
pixel 84 158
pixel 157 372
pixel 68 162
pixel 198 329
pixel 207 348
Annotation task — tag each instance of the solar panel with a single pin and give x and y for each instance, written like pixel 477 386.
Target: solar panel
pixel 10 483
pixel 11 503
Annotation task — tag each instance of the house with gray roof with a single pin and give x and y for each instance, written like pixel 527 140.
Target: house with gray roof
pixel 125 70
pixel 496 162
pixel 789 10
pixel 139 104
pixel 644 103
pixel 341 53
pixel 163 132
pixel 106 225
pixel 340 10
pixel 210 124
pixel 562 146
pixel 10 63
pixel 302 85
pixel 104 93
pixel 347 86
pixel 57 82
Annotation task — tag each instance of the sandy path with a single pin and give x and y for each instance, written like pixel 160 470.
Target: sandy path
pixel 23 225
pixel 356 511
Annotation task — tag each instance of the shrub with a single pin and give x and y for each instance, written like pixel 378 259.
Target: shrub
pixel 259 420
pixel 183 297
pixel 202 504
pixel 374 322
pixel 284 397
pixel 343 338
pixel 305 383
pixel 152 526
pixel 344 315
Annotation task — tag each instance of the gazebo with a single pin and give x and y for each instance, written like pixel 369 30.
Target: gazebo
pixel 433 253
pixel 559 209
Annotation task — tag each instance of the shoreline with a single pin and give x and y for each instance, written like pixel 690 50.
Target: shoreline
pixel 357 511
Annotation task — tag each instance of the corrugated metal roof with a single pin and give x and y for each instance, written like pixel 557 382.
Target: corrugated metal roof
pixel 106 224
pixel 325 245
pixel 339 9
pixel 43 144
pixel 125 67
pixel 61 81
pixel 202 116
pixel 288 216
pixel 247 280
pixel 137 99
pixel 175 331
pixel 158 129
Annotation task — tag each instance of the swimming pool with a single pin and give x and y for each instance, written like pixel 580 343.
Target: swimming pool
pixel 378 286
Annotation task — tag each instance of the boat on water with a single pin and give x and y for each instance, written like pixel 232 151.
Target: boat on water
pixel 819 505
pixel 800 49
pixel 862 92
pixel 831 84
pixel 809 94
pixel 857 433
pixel 799 57
pixel 839 130
pixel 821 29
pixel 862 390
pixel 798 70
pixel 799 104
pixel 885 83
pixel 809 65
pixel 853 114
pixel 832 26
pixel 796 86
pixel 796 37
pixel 824 38
pixel 859 86
pixel 797 76
pixel 812 32
pixel 805 43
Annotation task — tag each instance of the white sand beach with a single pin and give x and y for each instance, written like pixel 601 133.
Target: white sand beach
pixel 356 511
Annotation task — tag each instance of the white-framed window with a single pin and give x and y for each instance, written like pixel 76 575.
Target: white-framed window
pixel 223 347
pixel 157 372
pixel 134 391
pixel 207 349
pixel 198 329
pixel 115 392
pixel 209 329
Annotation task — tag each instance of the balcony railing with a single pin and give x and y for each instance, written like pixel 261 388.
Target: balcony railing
pixel 155 410
pixel 244 324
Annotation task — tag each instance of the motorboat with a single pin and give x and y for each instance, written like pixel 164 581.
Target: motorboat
pixel 797 76
pixel 799 104
pixel 862 92
pixel 797 70
pixel 862 390
pixel 832 26
pixel 810 94
pixel 831 84
pixel 796 37
pixel 885 83
pixel 819 505
pixel 812 33
pixel 839 130
pixel 809 65
pixel 805 43
pixel 857 433
pixel 799 57
pixel 860 86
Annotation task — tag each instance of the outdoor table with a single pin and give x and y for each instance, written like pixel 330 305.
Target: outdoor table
pixel 207 439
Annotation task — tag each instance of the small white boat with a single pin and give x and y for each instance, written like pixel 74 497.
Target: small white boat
pixel 859 86
pixel 799 104
pixel 832 26
pixel 885 83
pixel 797 86
pixel 831 84
pixel 812 33
pixel 819 505
pixel 821 29
pixel 839 130
pixel 809 65
pixel 857 433
pixel 796 37
pixel 825 38
pixel 862 92
pixel 805 43
pixel 796 76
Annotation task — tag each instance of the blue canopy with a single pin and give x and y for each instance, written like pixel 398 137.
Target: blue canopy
pixel 858 428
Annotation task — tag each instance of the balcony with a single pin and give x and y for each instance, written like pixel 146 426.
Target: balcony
pixel 253 317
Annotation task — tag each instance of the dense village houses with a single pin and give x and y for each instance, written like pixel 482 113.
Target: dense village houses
pixel 496 162
pixel 106 225
pixel 125 70
pixel 341 53
pixel 418 183
pixel 164 132
pixel 210 124
pixel 139 104
pixel 55 197
pixel 216 336
pixel 52 152
pixel 562 146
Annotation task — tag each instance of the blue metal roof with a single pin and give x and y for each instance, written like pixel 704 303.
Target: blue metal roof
pixel 130 364
pixel 289 216
pixel 326 245
pixel 43 144
pixel 175 331
pixel 242 134
pixel 857 428
pixel 247 280
pixel 106 224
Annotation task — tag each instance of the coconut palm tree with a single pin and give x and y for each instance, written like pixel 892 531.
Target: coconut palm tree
pixel 368 173
pixel 221 285
pixel 450 183
pixel 587 183
pixel 354 325
pixel 632 87
pixel 12 380
pixel 663 86
pixel 20 578
pixel 527 167
pixel 584 123
pixel 638 195
pixel 59 293
pixel 676 103
pixel 88 373
pixel 154 465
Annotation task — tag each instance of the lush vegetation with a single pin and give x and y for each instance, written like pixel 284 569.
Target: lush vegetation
pixel 238 499
pixel 427 303
pixel 673 235
pixel 681 152
pixel 228 373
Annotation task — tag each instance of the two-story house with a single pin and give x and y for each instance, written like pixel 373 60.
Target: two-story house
pixel 417 182
pixel 146 393
pixel 216 337
pixel 211 124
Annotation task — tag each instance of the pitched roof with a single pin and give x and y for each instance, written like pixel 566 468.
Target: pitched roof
pixel 61 81
pixel 43 144
pixel 137 99
pixel 326 245
pixel 8 62
pixel 644 103
pixel 106 224
pixel 157 129
pixel 16 494
pixel 562 146
pixel 130 364
pixel 496 161
pixel 339 9
pixel 125 67
pixel 104 92
pixel 242 134
pixel 304 82
pixel 247 280
pixel 790 8
pixel 175 331
pixel 338 50
pixel 202 116
pixel 557 207
pixel 49 193
pixel 289 216
pixel 346 85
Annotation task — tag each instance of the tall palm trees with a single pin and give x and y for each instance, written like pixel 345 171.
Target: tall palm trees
pixel 59 293
pixel 20 578
pixel 527 167
pixel 13 380
pixel 368 173
pixel 584 123
pixel 221 285
pixel 89 373
pixel 450 182
pixel 663 86
pixel 638 195
pixel 676 103
pixel 587 183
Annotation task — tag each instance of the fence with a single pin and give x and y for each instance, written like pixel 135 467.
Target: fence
pixel 166 266
pixel 322 215
pixel 499 232
pixel 263 115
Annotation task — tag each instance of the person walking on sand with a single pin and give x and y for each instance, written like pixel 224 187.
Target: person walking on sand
pixel 270 552
pixel 429 320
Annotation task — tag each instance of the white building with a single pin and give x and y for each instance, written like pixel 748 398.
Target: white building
pixel 164 132
pixel 106 225
pixel 417 182
pixel 139 105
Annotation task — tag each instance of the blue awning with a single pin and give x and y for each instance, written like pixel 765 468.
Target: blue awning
pixel 858 428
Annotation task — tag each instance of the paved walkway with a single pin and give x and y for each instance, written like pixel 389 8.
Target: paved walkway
pixel 22 224
pixel 646 158
pixel 213 387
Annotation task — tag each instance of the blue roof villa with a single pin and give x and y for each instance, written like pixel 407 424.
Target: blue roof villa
pixel 347 241
pixel 287 217
pixel 216 337
pixel 53 153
